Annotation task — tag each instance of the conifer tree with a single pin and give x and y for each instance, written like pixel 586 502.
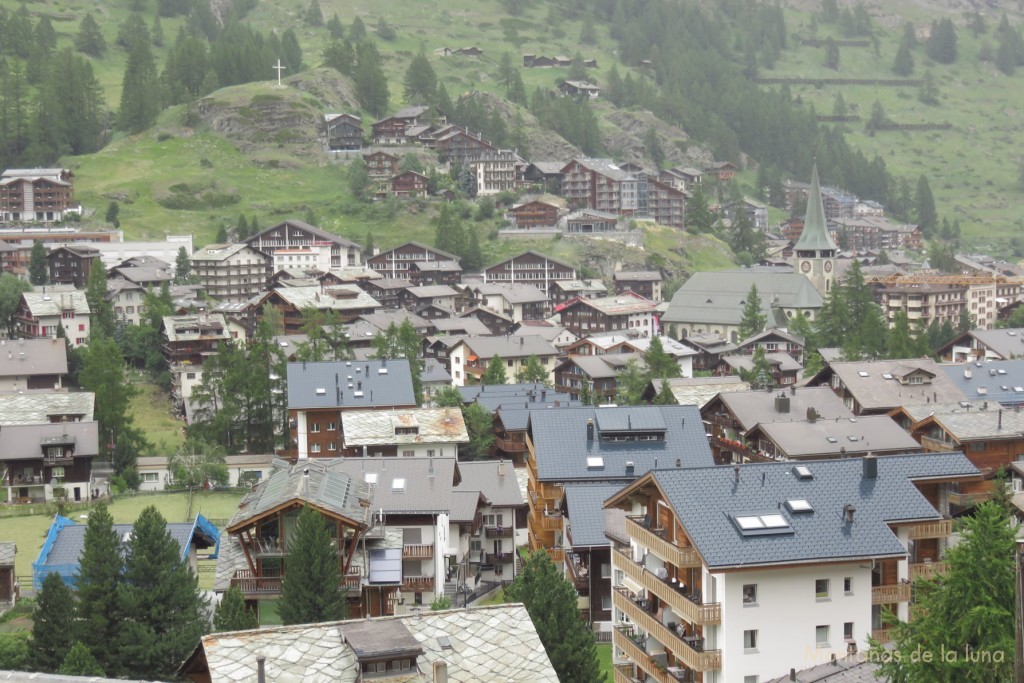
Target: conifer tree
pixel 480 427
pixel 659 363
pixel 103 372
pixel 403 341
pixel 335 27
pixel 80 662
pixel 533 372
pixel 314 15
pixel 368 246
pixel 312 591
pixel 38 265
pixel 754 319
pixel 101 311
pixel 161 607
pixel 99 573
pixel 357 32
pixel 53 624
pixel 420 84
pixel 370 82
pixel 495 373
pixel 927 218
pixel 140 90
pixel 903 65
pixel 472 255
pixel 291 52
pixel 551 602
pixel 232 614
pixel 89 38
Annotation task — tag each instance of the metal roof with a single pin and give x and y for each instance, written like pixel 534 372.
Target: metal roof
pixel 718 297
pixel 562 447
pixel 705 499
pixel 325 384
pixel 977 382
pixel 751 408
pixel 815 235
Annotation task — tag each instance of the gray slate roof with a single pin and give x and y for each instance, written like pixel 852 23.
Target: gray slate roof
pixel 509 347
pixel 1006 386
pixel 38 407
pixel 705 498
pixel 378 427
pixel 33 357
pixel 850 669
pixel 485 476
pixel 390 388
pixel 496 643
pixel 422 491
pixel 562 448
pixel 50 300
pixel 697 391
pixel 588 521
pixel 874 392
pixel 7 551
pixel 755 407
pixel 25 441
pixel 827 438
pixel 973 423
pixel 717 297
pixel 1006 343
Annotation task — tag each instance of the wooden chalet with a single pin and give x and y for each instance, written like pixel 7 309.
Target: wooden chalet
pixel 392 129
pixel 535 214
pixel 381 165
pixel 409 184
pixel 459 146
pixel 255 558
pixel 343 131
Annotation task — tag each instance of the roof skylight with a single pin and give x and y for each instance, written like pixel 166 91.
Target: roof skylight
pixel 762 525
pixel 803 472
pixel 799 505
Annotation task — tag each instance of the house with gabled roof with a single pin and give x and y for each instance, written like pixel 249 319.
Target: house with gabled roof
pixel 10 587
pixel 820 439
pixel 596 375
pixel 646 283
pixel 32 364
pixel 425 432
pixel 562 291
pixel 718 556
pixel 343 131
pixel 36 194
pixel 784 370
pixel 516 300
pixel 627 311
pixel 380 165
pixel 997 381
pixel 470 356
pixel 43 461
pixel 41 312
pixel 588 526
pixel 70 264
pixel 876 387
pixel 395 263
pixel 391 129
pixel 531 268
pixel 296 234
pixel 983 345
pixel 697 391
pixel 492 552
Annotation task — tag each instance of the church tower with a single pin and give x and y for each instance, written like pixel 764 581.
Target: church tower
pixel 815 253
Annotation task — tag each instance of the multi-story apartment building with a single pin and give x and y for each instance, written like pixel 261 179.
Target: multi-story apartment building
pixel 492 549
pixel 188 340
pixel 646 283
pixel 42 461
pixel 291 235
pixel 395 263
pixel 319 393
pixel 923 303
pixel 231 272
pixel 666 204
pixel 623 312
pixel 736 573
pixel 41 312
pixel 32 364
pixel 459 147
pixel 532 268
pixel 497 171
pixel 36 194
pixel 593 184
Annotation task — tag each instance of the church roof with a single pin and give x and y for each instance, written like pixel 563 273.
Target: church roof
pixel 815 235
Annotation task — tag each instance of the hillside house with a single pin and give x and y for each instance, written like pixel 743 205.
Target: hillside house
pixel 71 264
pixel 381 165
pixel 409 184
pixel 396 262
pixel 533 214
pixel 579 89
pixel 295 234
pixel 41 312
pixel 646 283
pixel 628 311
pixel 42 462
pixel 391 130
pixel 343 131
pixel 36 195
pixel 231 272
pixel 531 268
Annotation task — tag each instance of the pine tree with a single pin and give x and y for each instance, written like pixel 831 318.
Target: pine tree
pixel 312 591
pixel 99 573
pixel 140 90
pixel 420 84
pixel 653 147
pixel 495 373
pixel 103 372
pixel 157 31
pixel 80 662
pixel 101 311
pixel 754 319
pixel 358 178
pixel 370 82
pixel 132 31
pixel 314 15
pixel 659 363
pixel 161 607
pixel 698 215
pixel 449 234
pixel 831 54
pixel 551 602
pixel 89 38
pixel 925 207
pixel 291 52
pixel 53 624
pixel 760 374
pixel 232 614
pixel 480 427
pixel 368 246
pixel 403 341
pixel 903 65
pixel 532 372
pixel 941 42
pixel 357 32
pixel 38 264
pixel 335 27
pixel 630 383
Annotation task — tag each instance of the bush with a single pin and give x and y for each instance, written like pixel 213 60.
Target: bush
pixel 14 651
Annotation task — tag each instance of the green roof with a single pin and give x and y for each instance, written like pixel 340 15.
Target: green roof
pixel 815 236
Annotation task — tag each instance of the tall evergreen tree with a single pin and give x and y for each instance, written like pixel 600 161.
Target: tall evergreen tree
pixel 480 428
pixel 101 311
pixel 472 255
pixel 495 373
pixel 532 372
pixel 132 31
pixel 903 65
pixel 698 216
pixel 941 42
pixel 312 591
pixel 99 573
pixel 370 82
pixel 314 15
pixel 140 90
pixel 232 614
pixel 631 382
pixel 38 265
pixel 551 602
pixel 103 372
pixel 402 341
pixel 927 218
pixel 754 319
pixel 89 38
pixel 420 85
pixel 291 52
pixel 357 31
pixel 182 267
pixel 659 363
pixel 159 601
pixel 53 624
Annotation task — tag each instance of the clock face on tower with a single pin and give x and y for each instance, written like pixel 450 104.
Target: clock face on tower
pixel 805 266
pixel 828 266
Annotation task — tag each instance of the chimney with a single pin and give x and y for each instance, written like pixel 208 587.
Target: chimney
pixel 792 674
pixel 440 672
pixel 630 467
pixel 305 481
pixel 590 429
pixel 848 511
pixel 736 472
pixel 261 669
pixel 501 467
pixel 812 415
pixel 782 403
pixel 1000 426
pixel 870 467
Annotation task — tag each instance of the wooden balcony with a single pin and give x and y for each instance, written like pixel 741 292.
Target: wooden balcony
pixel 251 585
pixel 966 500
pixel 938 529
pixel 497 558
pixel 621 639
pixel 928 570
pixel 937 445
pixel 882 635
pixel 417 552
pixel 510 445
pixel 887 595
pixel 670 552
pixel 623 673
pixel 418 584
pixel 706 660
pixel 497 532
pixel 548 522
pixel 680 604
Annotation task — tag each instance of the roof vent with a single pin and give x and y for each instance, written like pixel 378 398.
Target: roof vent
pixel 630 467
pixel 848 511
pixel 967 373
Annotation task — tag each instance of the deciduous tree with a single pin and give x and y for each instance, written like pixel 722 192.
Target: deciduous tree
pixel 11 289
pixel 312 591
pixel 197 463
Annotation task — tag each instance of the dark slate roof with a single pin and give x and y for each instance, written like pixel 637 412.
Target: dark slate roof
pixel 518 391
pixel 979 384
pixel 496 480
pixel 391 388
pixel 562 448
pixel 405 485
pixel 587 524
pixel 704 499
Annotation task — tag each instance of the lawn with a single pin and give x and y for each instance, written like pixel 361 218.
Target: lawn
pixel 604 658
pixel 30 532
pixel 152 412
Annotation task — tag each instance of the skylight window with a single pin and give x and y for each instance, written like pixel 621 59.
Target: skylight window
pixel 982 390
pixel 886 375
pixel 748 523
pixel 831 439
pixel 762 525
pixel 799 505
pixel 382 371
pixel 774 521
pixel 595 463
pixel 370 477
pixel 1019 390
pixel 851 437
pixel 863 373
pixel 321 391
pixel 803 472
pixel 398 484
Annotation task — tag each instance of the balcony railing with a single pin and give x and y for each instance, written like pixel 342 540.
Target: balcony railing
pixel 623 673
pixel 930 444
pixel 887 595
pixel 417 552
pixel 928 570
pixel 680 557
pixel 418 584
pixel 546 522
pixel 939 529
pixel 510 445
pixel 966 500
pixel 622 639
pixel 497 532
pixel 497 558
pixel 706 660
pixel 272 585
pixel 882 635
pixel 680 604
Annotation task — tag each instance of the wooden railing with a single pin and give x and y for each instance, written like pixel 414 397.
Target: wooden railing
pixel 882 635
pixel 510 445
pixel 497 558
pixel 937 445
pixel 623 673
pixel 418 584
pixel 622 640
pixel 707 660
pixel 417 552
pixel 680 604
pixel 557 555
pixel 938 529
pixel 250 584
pixel 966 500
pixel 672 553
pixel 497 532
pixel 928 570
pixel 885 595
pixel 548 522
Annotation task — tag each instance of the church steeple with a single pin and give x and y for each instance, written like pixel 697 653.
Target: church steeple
pixel 815 251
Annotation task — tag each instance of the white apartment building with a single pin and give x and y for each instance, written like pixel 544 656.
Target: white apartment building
pixel 231 272
pixel 740 574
